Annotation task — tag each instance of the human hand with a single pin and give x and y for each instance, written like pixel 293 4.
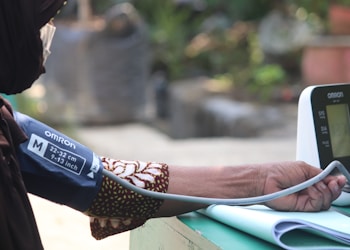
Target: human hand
pixel 279 176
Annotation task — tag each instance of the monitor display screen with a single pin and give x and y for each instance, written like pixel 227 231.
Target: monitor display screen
pixel 339 129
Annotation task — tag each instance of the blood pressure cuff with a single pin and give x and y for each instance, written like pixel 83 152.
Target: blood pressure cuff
pixel 56 167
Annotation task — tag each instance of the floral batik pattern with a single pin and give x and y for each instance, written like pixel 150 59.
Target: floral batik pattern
pixel 117 209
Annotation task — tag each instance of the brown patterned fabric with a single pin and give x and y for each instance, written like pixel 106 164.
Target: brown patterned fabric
pixel 117 209
pixel 18 229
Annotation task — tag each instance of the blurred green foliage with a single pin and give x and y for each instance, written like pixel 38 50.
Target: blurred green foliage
pixel 265 80
pixel 170 31
pixel 217 38
pixel 180 43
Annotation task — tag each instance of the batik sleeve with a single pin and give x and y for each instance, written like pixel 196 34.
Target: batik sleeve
pixel 117 209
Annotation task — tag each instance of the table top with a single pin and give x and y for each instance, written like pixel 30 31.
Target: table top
pixel 223 236
pixel 227 237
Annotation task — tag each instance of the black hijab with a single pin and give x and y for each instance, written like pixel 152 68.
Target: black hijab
pixel 20 64
pixel 21 51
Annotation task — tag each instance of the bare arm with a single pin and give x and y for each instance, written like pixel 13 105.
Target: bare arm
pixel 116 209
pixel 250 181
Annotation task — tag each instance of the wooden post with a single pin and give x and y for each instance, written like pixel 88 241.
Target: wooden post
pixel 84 11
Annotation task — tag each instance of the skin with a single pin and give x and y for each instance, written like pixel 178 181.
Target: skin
pixel 250 181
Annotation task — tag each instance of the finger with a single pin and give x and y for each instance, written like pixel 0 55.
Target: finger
pixel 326 194
pixel 340 179
pixel 315 199
pixel 335 187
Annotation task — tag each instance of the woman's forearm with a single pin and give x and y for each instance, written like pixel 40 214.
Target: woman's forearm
pixel 212 182
pixel 251 181
pixel 116 209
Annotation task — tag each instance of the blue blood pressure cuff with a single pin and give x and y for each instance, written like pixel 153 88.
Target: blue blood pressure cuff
pixel 56 167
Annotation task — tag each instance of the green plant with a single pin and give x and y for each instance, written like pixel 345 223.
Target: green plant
pixel 317 7
pixel 174 30
pixel 244 10
pixel 170 30
pixel 266 78
pixel 341 2
pixel 230 52
pixel 219 51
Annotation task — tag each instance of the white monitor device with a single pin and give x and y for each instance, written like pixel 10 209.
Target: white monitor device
pixel 323 132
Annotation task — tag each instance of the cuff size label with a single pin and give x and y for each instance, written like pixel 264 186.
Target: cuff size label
pixel 56 155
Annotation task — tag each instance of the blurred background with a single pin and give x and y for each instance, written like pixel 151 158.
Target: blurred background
pixel 201 81
pixel 192 68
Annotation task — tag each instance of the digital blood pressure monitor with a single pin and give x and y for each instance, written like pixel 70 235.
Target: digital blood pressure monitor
pixel 323 132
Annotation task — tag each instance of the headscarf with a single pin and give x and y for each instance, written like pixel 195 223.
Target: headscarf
pixel 21 63
pixel 21 50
